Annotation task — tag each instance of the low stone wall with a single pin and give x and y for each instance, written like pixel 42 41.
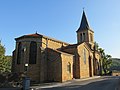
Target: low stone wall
pixel 115 73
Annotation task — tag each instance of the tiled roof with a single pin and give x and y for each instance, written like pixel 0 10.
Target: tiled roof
pixel 75 46
pixel 59 51
pixel 70 46
pixel 29 36
pixel 36 35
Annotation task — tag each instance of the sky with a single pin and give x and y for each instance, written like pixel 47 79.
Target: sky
pixel 60 19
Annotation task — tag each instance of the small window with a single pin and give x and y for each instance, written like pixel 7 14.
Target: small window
pixel 84 55
pixel 69 67
pixel 33 53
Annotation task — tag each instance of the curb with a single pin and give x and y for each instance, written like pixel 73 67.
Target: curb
pixel 49 86
pixel 84 79
pixel 61 84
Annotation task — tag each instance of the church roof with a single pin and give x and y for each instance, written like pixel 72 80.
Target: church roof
pixel 84 25
pixel 58 51
pixel 34 35
pixel 76 45
pixel 72 46
pixel 37 35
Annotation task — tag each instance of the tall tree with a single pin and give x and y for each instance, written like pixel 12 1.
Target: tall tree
pixel 96 47
pixel 2 57
pixel 105 61
pixel 5 61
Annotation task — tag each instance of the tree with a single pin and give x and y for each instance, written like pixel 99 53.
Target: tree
pixel 96 46
pixel 101 59
pixel 5 61
pixel 105 61
pixel 2 57
pixel 8 62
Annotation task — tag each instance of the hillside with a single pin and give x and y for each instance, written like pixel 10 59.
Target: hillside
pixel 115 64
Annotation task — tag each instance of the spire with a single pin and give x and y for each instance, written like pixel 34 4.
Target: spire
pixel 84 23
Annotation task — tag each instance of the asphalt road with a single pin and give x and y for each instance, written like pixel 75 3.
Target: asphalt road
pixel 103 83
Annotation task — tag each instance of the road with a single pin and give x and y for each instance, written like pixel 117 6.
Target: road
pixel 103 83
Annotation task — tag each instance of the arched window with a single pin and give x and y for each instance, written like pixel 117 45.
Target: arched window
pixel 19 53
pixel 84 55
pixel 69 67
pixel 33 53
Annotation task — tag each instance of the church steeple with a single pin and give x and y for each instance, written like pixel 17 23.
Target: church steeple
pixel 84 33
pixel 84 23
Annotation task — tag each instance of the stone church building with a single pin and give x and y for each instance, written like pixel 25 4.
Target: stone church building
pixel 47 59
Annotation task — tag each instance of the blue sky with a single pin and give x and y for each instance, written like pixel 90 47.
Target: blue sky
pixel 60 19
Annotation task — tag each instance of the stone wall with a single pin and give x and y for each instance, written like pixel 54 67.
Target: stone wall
pixel 54 66
pixel 39 70
pixel 57 66
pixel 76 62
pixel 85 63
pixel 54 44
pixel 115 73
pixel 67 72
pixel 35 68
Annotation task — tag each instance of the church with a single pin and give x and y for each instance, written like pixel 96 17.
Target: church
pixel 46 59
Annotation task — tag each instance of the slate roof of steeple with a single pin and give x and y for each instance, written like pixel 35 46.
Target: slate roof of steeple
pixel 84 25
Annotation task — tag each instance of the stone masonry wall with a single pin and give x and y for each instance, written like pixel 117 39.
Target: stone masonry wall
pixel 84 66
pixel 35 68
pixel 76 65
pixel 52 43
pixel 67 60
pixel 54 69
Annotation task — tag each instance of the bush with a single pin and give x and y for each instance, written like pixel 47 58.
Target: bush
pixel 11 80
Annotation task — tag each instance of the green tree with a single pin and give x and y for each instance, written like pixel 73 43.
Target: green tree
pixel 96 47
pixel 2 57
pixel 5 61
pixel 106 61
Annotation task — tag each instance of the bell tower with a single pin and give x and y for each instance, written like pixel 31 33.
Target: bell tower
pixel 84 33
